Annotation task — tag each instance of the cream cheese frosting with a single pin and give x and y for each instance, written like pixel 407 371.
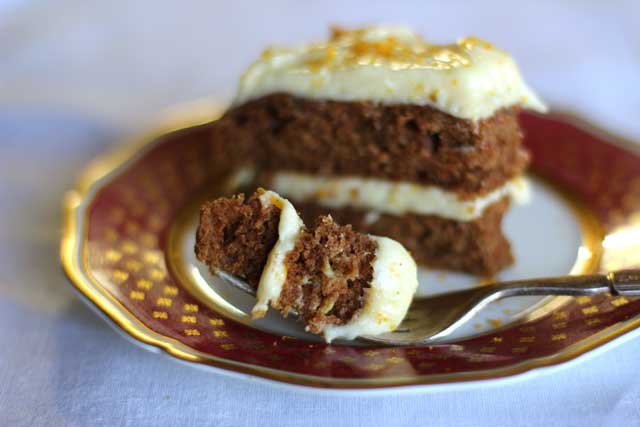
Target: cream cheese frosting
pixel 274 273
pixel 391 197
pixel 469 79
pixel 394 280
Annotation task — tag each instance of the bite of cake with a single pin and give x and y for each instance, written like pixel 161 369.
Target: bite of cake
pixel 342 283
pixel 394 135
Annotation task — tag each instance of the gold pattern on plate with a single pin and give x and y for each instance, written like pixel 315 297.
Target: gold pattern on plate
pixel 188 319
pixel 133 265
pixel 144 284
pixel 590 310
pixel 216 322
pixel 170 291
pixel 557 337
pixel 112 255
pixel 559 325
pixel 137 295
pixel 119 276
pixel 164 302
pixel 592 322
pixel 190 308
pixel 152 257
pixel 583 300
pixel 157 274
pixel 129 247
pixel 619 301
pixel 374 366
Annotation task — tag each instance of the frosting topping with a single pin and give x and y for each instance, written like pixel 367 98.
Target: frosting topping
pixel 469 79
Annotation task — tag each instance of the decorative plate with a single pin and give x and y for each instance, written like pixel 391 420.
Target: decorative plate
pixel 128 248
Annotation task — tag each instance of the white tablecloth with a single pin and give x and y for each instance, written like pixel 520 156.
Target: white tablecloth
pixel 75 75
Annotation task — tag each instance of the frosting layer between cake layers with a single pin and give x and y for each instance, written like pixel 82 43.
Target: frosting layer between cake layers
pixel 392 197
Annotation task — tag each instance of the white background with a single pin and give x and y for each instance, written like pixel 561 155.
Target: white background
pixel 74 74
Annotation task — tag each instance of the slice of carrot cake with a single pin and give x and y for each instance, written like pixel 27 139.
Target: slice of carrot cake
pixel 342 284
pixel 394 135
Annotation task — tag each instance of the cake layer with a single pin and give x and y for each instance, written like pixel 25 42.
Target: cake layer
pixel 236 235
pixel 470 79
pixel 396 142
pixel 476 246
pixel 329 273
pixel 391 197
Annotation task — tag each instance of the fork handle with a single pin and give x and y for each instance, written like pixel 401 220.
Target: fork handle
pixel 623 283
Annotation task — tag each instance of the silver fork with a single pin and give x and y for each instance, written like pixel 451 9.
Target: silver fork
pixel 434 318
